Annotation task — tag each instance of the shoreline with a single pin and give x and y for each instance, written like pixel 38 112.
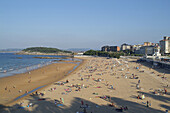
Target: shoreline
pixel 23 63
pixel 24 70
pixel 64 73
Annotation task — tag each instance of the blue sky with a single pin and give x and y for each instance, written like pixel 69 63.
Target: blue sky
pixel 82 23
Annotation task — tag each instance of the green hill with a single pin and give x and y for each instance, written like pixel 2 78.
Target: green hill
pixel 45 50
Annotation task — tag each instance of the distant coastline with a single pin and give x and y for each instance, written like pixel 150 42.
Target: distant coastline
pixel 9 51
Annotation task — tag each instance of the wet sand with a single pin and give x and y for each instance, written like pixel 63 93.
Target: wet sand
pixel 14 86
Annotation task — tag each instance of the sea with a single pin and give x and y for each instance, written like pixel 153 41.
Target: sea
pixel 11 63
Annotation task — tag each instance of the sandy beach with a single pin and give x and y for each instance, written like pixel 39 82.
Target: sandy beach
pixel 17 85
pixel 99 85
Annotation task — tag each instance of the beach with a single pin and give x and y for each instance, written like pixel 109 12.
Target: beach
pixel 98 85
pixel 17 85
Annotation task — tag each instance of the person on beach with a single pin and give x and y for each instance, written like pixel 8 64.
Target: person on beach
pixel 137 86
pixel 36 92
pixel 30 105
pixel 125 76
pixel 29 81
pixel 165 90
pixel 55 102
pixel 112 105
pixel 89 76
pixel 109 98
pixel 78 88
pixel 81 79
pixel 111 86
pixel 138 81
pixel 143 96
pixel 61 100
pixel 107 84
pixel 6 88
pixel 99 80
pixel 21 103
pixel 147 104
pixel 67 81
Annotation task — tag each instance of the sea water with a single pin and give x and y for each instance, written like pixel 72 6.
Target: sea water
pixel 11 64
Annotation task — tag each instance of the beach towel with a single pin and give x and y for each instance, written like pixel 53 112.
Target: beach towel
pixel 59 105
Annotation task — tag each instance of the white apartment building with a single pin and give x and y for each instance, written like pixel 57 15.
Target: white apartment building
pixel 165 45
pixel 125 47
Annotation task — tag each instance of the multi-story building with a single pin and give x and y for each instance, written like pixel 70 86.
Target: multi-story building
pixel 157 50
pixel 105 48
pixel 125 47
pixel 147 44
pixel 110 48
pixel 135 48
pixel 114 48
pixel 147 50
pixel 165 45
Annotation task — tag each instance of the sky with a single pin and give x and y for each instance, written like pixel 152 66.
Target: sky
pixel 91 24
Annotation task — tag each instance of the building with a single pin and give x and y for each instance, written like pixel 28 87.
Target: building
pixel 157 50
pixel 105 48
pixel 147 44
pixel 110 48
pixel 147 50
pixel 114 48
pixel 165 45
pixel 135 48
pixel 125 47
